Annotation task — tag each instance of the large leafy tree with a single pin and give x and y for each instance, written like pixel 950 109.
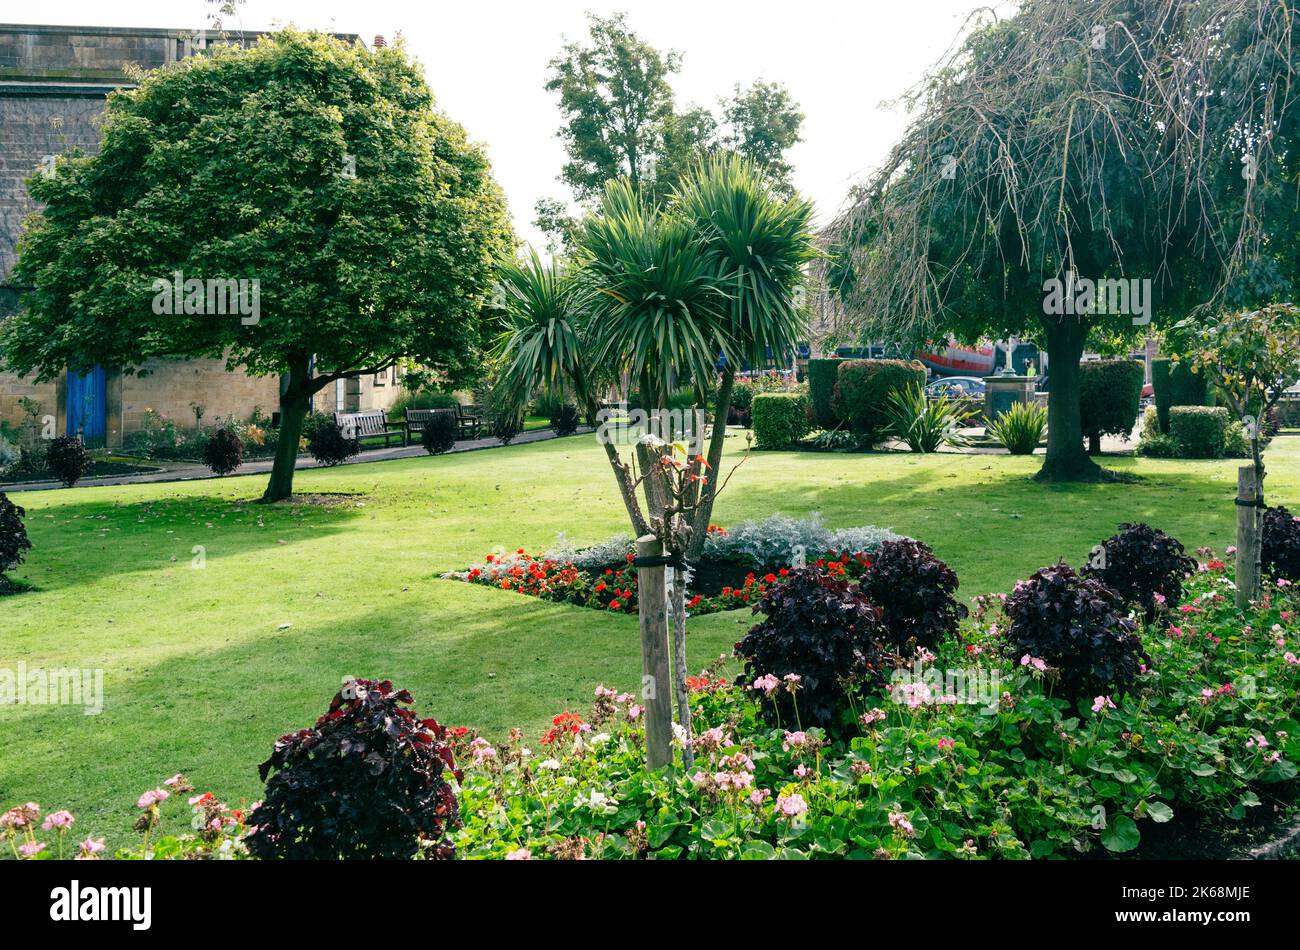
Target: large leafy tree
pixel 318 168
pixel 1100 138
pixel 620 120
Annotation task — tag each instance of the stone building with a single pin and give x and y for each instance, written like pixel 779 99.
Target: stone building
pixel 53 84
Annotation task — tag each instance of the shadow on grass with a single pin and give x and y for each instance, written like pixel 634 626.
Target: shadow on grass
pixel 73 543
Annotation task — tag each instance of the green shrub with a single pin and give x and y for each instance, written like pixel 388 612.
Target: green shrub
pixel 923 423
pixel 822 377
pixel 1175 385
pixel 1200 432
pixel 566 419
pixel 1020 428
pixel 780 419
pixel 863 387
pixel 1109 397
pixel 420 399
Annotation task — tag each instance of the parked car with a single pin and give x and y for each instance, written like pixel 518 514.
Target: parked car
pixel 955 387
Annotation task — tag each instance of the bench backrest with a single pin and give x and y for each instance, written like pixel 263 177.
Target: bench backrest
pixel 361 423
pixel 416 418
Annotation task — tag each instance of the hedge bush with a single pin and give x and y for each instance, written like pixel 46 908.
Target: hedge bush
pixel 863 387
pixel 780 419
pixel 822 377
pixel 1109 397
pixel 1199 431
pixel 1175 386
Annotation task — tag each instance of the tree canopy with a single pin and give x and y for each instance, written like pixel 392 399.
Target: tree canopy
pixel 1108 140
pixel 320 170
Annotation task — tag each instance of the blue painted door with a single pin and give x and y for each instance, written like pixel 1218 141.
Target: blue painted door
pixel 88 405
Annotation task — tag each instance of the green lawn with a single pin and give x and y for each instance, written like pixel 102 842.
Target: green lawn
pixel 200 678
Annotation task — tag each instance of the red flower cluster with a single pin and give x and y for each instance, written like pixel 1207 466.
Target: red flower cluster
pixel 566 723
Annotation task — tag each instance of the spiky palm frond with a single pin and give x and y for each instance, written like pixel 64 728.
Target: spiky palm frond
pixel 759 245
pixel 657 308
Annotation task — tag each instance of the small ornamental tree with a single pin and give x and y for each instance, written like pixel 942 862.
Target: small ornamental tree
pixel 68 459
pixel 1251 357
pixel 14 542
pixel 298 208
pixel 1110 394
pixel 369 780
pixel 224 451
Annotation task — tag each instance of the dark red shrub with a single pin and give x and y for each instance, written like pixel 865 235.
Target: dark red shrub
pixel 67 459
pixel 326 441
pixel 914 590
pixel 1140 562
pixel 224 451
pixel 1280 555
pixel 439 433
pixel 367 781
pixel 823 630
pixel 13 537
pixel 1080 627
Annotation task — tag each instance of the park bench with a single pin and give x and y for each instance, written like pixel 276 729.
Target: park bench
pixel 373 424
pixel 416 419
pixel 470 421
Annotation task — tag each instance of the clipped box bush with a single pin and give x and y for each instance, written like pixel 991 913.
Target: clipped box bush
pixel 863 388
pixel 822 377
pixel 1175 386
pixel 1110 394
pixel 780 419
pixel 1199 431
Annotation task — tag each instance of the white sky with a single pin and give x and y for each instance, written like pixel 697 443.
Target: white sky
pixel 486 62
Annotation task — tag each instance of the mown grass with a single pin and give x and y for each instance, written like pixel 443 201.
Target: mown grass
pixel 202 675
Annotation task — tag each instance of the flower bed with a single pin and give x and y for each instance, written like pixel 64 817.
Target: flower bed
pixel 737 569
pixel 1210 733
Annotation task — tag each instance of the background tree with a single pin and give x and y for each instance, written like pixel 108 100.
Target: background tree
pixel 318 168
pixel 620 120
pixel 1093 137
pixel 1251 358
pixel 762 123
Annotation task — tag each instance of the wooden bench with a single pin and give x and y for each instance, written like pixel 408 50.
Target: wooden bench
pixel 470 421
pixel 373 424
pixel 416 419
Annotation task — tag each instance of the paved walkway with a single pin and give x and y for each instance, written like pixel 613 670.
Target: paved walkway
pixel 186 472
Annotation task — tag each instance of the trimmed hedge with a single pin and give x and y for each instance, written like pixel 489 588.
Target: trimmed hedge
pixel 1110 394
pixel 1175 386
pixel 1199 431
pixel 780 419
pixel 862 391
pixel 822 377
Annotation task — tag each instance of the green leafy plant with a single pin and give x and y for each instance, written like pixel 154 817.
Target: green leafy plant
pixel 780 419
pixel 862 389
pixel 1110 394
pixel 925 424
pixel 1200 432
pixel 1020 429
pixel 823 374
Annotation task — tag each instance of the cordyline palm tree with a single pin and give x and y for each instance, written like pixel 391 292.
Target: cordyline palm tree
pixel 660 296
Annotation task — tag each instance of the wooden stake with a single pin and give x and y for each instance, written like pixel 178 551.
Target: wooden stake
pixel 1247 537
pixel 656 682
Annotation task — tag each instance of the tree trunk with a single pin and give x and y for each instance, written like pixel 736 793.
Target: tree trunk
pixel 656 688
pixel 293 410
pixel 679 662
pixel 1094 444
pixel 1248 535
pixel 700 520
pixel 1066 459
